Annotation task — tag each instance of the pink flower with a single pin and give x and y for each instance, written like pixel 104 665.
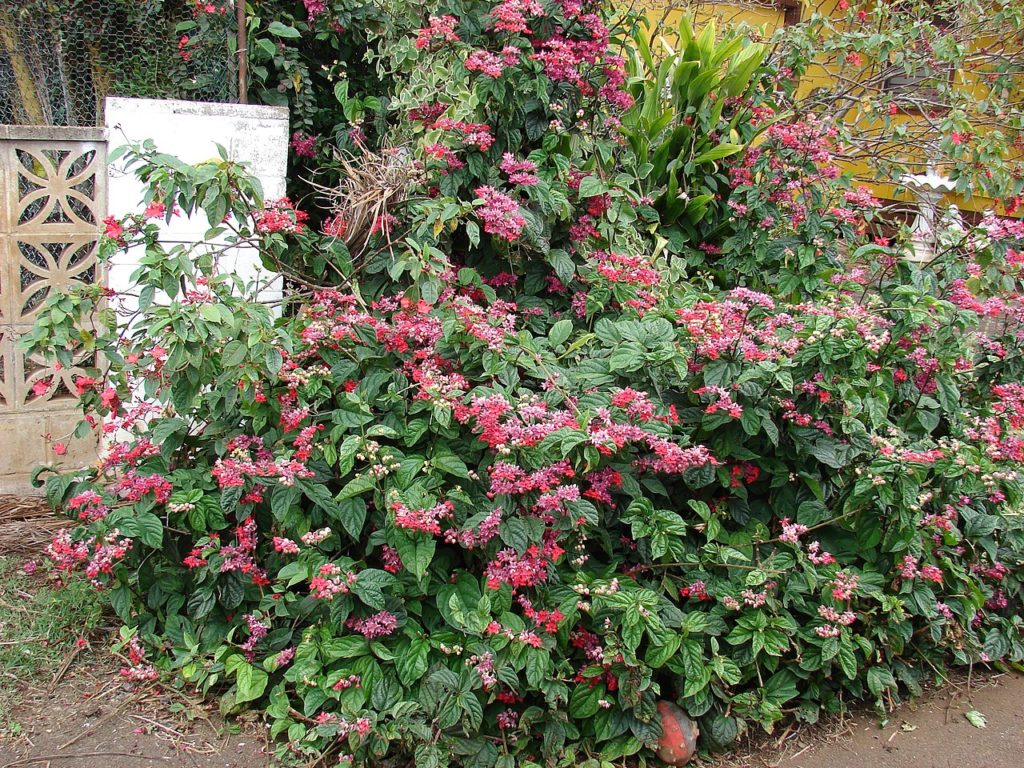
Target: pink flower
pixel 510 15
pixel 908 568
pixel 303 145
pixel 155 210
pixel 522 172
pixel 846 618
pixel 314 8
pixel 423 520
pixel 526 570
pixel 827 630
pixel 723 402
pixel 844 585
pixel 331 582
pixel 486 63
pixel 791 532
pixel 112 228
pixel 378 625
pixel 473 134
pixel 284 657
pixel 500 214
pixel 391 559
pixel 440 27
pixel 285 546
pixel 280 216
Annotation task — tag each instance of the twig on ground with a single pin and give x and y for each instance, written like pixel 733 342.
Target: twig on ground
pixel 64 667
pixel 77 755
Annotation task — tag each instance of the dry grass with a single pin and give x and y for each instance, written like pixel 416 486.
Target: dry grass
pixel 27 524
pixel 373 183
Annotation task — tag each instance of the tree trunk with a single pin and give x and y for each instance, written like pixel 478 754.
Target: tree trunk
pixel 102 82
pixel 28 108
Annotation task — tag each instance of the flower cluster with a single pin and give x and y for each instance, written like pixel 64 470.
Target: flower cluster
pixel 500 214
pixel 280 216
pixel 378 625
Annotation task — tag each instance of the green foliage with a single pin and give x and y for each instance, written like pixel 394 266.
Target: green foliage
pixel 515 476
pixel 916 82
pixel 693 108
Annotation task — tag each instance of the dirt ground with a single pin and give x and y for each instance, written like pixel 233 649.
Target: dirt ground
pixel 92 720
pixel 931 733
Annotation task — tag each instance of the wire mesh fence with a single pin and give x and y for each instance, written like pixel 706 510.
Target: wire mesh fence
pixel 60 58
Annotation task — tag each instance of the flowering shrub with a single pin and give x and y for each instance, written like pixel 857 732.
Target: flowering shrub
pixel 511 481
pixel 485 527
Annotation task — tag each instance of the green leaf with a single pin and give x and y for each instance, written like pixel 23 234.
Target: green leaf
pixel 537 661
pixel 719 152
pixel 121 601
pixel 230 590
pixel 348 647
pixel 975 718
pixel 559 332
pixel 724 730
pixel 201 603
pixel 251 682
pixel 149 529
pixel 234 353
pixel 591 186
pixel 411 661
pixel 847 658
pixel 282 30
pixel 584 700
pixel 357 486
pixel 416 551
pixel 450 464
pixel 352 515
pixel 565 268
pixel 879 679
pixel 273 360
pixel 209 313
pixel 428 756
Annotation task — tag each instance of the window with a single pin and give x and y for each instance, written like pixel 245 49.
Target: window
pixel 791 9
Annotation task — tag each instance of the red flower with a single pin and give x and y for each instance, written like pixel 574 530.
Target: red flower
pixel 113 228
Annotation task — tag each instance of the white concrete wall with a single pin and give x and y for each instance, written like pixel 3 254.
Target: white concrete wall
pixel 257 135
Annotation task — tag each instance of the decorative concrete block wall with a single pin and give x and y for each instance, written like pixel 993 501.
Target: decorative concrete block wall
pixel 52 200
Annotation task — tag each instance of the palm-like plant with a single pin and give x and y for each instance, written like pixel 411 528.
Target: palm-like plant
pixel 693 108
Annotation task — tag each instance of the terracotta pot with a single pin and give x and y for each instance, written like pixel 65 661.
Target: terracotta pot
pixel 679 733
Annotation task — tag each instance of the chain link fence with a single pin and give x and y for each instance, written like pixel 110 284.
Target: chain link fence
pixel 59 59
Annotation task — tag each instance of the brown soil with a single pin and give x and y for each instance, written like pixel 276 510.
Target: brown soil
pixel 92 719
pixel 931 733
